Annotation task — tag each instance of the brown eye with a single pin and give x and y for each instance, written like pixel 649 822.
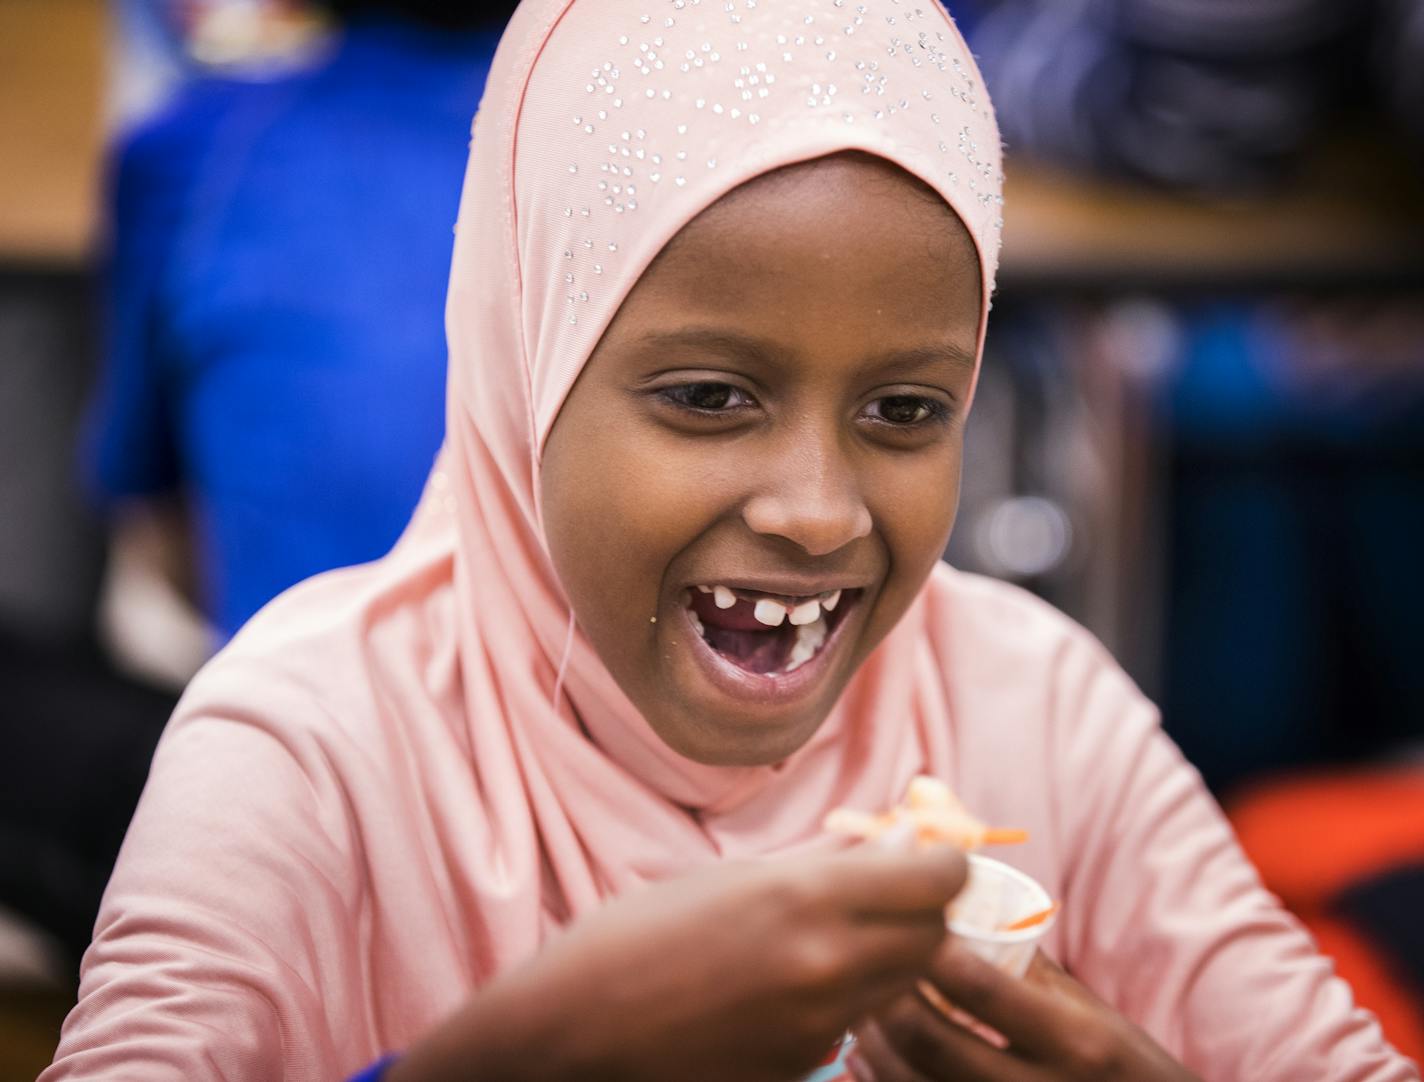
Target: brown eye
pixel 904 409
pixel 706 396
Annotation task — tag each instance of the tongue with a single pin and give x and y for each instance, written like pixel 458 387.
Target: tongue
pixel 756 651
pixel 740 617
pixel 738 635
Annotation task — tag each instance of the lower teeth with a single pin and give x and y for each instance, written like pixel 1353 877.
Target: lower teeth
pixel 809 638
pixel 749 651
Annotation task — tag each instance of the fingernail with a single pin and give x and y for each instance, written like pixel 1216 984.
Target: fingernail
pixel 859 1069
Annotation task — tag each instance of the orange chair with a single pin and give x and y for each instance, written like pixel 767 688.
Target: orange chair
pixel 1333 847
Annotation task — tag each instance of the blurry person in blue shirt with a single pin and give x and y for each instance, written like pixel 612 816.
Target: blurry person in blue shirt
pixel 273 385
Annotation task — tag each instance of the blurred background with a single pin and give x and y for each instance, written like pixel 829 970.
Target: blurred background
pixel 1200 429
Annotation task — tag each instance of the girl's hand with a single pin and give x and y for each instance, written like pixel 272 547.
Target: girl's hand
pixel 1056 1030
pixel 740 972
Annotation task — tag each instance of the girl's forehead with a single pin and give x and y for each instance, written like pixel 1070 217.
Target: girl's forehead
pixel 848 211
pixel 845 254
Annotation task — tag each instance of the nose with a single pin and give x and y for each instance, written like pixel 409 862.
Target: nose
pixel 811 498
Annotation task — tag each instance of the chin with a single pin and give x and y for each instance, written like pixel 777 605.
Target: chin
pixel 734 741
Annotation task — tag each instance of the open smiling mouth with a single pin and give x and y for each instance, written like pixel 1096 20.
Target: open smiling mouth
pixel 766 634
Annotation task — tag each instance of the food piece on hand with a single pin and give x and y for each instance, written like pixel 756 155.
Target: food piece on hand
pixel 937 816
pixel 1001 914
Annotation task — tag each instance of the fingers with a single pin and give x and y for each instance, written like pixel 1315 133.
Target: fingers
pixel 890 906
pixel 1033 1012
pixel 903 947
pixel 1100 1041
pixel 1048 974
pixel 881 882
pixel 911 1041
pixel 1044 971
pixel 890 959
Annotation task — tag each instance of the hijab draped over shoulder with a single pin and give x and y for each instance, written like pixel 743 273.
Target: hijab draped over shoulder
pixel 400 778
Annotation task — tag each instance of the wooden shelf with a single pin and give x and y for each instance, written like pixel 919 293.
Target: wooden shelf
pixel 51 129
pixel 1354 214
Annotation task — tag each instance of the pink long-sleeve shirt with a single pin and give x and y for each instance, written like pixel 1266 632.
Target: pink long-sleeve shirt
pixel 291 900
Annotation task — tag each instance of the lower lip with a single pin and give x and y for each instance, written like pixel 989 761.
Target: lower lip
pixel 765 688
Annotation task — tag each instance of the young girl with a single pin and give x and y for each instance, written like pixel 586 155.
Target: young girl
pixel 673 594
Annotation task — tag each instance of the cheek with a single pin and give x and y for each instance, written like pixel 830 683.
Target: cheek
pixel 660 503
pixel 620 518
pixel 915 506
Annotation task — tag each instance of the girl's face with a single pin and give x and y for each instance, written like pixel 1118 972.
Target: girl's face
pixel 759 465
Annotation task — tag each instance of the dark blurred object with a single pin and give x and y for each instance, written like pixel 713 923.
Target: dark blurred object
pixel 1398 49
pixel 1297 478
pixel 94 751
pixel 446 14
pixel 1385 908
pixel 1058 492
pixel 51 548
pixel 1229 29
pixel 1345 852
pixel 1195 94
pixel 1218 244
pixel 78 739
pixel 76 735
pixel 30 1021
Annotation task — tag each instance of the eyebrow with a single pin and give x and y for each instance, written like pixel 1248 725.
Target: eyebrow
pixel 901 362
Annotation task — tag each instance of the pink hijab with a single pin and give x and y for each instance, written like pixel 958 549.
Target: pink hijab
pixel 606 128
pixel 400 778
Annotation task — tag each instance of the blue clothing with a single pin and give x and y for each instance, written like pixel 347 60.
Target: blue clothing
pixel 375 1072
pixel 1294 588
pixel 276 349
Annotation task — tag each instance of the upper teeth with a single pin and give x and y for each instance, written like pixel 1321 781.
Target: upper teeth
pixel 806 613
pixel 771 613
pixel 806 616
pixel 774 613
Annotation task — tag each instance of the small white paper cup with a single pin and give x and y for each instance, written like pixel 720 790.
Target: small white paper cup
pixel 996 895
